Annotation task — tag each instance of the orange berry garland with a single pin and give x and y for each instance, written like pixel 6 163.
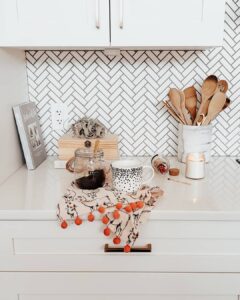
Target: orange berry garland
pixel 116 240
pixel 128 208
pixel 116 214
pixel 133 205
pixel 107 231
pixel 91 217
pixel 140 204
pixel 78 221
pixel 105 220
pixel 64 224
pixel 119 205
pixel 101 209
pixel 127 248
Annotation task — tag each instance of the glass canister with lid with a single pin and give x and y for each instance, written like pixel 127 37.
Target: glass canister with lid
pixel 88 166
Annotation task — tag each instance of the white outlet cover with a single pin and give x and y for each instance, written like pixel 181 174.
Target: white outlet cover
pixel 59 112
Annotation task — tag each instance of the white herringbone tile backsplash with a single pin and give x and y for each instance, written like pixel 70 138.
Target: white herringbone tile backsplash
pixel 125 92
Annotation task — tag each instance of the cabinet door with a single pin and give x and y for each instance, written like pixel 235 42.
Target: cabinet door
pixel 54 23
pixel 167 23
pixel 117 286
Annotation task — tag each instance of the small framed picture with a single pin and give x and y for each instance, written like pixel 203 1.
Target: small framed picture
pixel 30 134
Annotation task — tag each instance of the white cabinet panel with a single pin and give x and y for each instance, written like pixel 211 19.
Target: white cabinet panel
pixel 121 297
pixel 118 286
pixel 167 23
pixel 54 23
pixel 133 23
pixel 177 246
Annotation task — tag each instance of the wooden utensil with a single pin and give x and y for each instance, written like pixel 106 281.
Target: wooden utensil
pixel 175 99
pixel 179 181
pixel 170 105
pixel 191 101
pixel 201 119
pixel 208 89
pixel 215 107
pixel 227 103
pixel 185 112
pixel 172 112
pixel 222 86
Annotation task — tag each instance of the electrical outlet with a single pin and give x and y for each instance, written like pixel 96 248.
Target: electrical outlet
pixel 59 116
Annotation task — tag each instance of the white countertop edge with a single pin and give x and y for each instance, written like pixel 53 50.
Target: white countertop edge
pixel 31 215
pixel 210 199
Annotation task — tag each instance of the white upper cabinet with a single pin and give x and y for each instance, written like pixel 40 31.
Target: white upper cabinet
pixel 54 23
pixel 183 24
pixel 168 24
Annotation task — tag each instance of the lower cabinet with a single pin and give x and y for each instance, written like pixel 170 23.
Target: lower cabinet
pixel 106 286
pixel 125 297
pixel 190 260
pixel 177 247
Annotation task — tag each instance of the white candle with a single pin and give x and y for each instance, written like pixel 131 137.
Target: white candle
pixel 195 166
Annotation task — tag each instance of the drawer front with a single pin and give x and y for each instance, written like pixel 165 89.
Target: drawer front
pixel 121 297
pixel 106 286
pixel 177 246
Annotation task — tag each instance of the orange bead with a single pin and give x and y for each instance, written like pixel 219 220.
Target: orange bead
pixel 64 224
pixel 105 220
pixel 116 240
pixel 128 208
pixel 116 214
pixel 127 248
pixel 107 231
pixel 78 221
pixel 119 205
pixel 91 217
pixel 140 204
pixel 133 205
pixel 101 209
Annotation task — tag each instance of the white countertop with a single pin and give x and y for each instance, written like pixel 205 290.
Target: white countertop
pixel 33 195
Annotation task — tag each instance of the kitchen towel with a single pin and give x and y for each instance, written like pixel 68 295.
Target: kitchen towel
pixel 121 213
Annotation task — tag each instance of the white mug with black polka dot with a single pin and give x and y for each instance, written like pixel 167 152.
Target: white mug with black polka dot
pixel 127 175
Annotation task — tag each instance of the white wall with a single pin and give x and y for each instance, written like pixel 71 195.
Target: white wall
pixel 13 90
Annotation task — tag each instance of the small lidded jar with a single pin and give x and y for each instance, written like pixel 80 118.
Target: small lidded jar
pixel 88 166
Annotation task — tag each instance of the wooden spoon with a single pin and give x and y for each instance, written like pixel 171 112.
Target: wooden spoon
pixel 215 107
pixel 208 89
pixel 175 99
pixel 201 120
pixel 186 114
pixel 227 103
pixel 222 86
pixel 191 101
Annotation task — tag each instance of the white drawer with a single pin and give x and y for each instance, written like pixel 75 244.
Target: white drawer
pixel 122 297
pixel 106 286
pixel 177 246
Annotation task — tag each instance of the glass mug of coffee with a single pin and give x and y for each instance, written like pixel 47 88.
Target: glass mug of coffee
pixel 127 175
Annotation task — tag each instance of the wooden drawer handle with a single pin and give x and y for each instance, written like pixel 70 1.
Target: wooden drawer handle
pixel 146 248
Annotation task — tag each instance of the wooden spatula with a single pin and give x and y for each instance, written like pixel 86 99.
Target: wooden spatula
pixel 191 101
pixel 186 114
pixel 215 107
pixel 172 112
pixel 175 99
pixel 208 89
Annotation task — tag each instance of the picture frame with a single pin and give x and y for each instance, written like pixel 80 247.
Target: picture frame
pixel 30 134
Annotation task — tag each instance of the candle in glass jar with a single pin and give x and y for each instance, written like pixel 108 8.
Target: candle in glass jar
pixel 195 166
